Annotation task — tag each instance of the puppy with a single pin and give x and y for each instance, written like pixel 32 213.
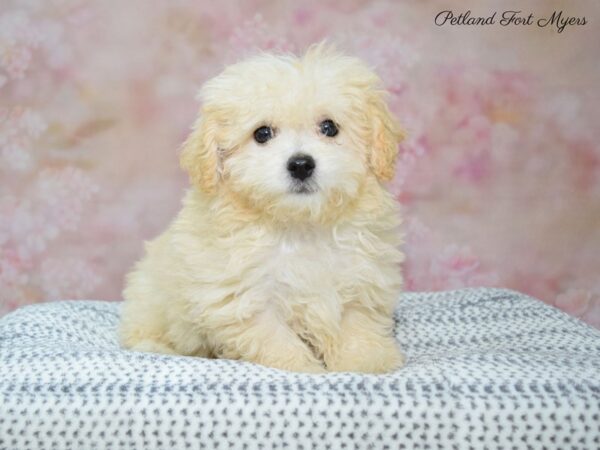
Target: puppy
pixel 286 250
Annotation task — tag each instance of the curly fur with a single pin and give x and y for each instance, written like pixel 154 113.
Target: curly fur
pixel 249 270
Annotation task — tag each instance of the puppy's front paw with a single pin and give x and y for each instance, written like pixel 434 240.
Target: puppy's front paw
pixel 367 355
pixel 151 346
pixel 293 362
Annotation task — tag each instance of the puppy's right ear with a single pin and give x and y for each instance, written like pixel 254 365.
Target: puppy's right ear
pixel 199 155
pixel 386 135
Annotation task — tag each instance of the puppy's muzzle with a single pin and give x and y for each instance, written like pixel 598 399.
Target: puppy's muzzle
pixel 301 167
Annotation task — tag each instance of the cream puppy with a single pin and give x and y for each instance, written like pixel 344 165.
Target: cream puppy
pixel 286 251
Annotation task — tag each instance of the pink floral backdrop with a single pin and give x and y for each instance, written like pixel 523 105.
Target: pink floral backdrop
pixel 499 177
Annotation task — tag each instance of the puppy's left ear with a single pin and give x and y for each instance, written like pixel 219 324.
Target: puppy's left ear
pixel 199 155
pixel 386 134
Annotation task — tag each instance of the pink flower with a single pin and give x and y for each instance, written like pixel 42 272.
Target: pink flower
pixel 68 278
pixel 474 168
pixel 255 34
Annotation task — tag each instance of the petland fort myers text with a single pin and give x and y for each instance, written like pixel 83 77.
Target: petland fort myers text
pixel 558 20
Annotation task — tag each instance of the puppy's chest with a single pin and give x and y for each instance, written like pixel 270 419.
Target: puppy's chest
pixel 302 265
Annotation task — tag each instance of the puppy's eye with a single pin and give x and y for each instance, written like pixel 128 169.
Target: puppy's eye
pixel 328 128
pixel 263 134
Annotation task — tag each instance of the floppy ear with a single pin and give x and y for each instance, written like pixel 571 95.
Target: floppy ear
pixel 199 155
pixel 386 135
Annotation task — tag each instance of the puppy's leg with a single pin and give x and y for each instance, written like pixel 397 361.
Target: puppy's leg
pixel 142 331
pixel 149 329
pixel 365 343
pixel 265 339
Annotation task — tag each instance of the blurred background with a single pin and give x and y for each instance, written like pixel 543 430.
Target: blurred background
pixel 499 178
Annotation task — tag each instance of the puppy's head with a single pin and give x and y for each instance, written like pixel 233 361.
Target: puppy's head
pixel 293 138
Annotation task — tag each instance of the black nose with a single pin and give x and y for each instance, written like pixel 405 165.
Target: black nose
pixel 301 166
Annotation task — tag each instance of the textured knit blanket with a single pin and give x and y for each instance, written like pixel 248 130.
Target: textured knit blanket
pixel 486 368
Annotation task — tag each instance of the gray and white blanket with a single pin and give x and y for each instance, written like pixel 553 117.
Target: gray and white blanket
pixel 487 368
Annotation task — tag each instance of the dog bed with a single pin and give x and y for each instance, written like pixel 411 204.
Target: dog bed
pixel 486 368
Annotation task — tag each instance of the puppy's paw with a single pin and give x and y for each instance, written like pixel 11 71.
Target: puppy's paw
pixel 379 355
pixel 150 346
pixel 298 363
